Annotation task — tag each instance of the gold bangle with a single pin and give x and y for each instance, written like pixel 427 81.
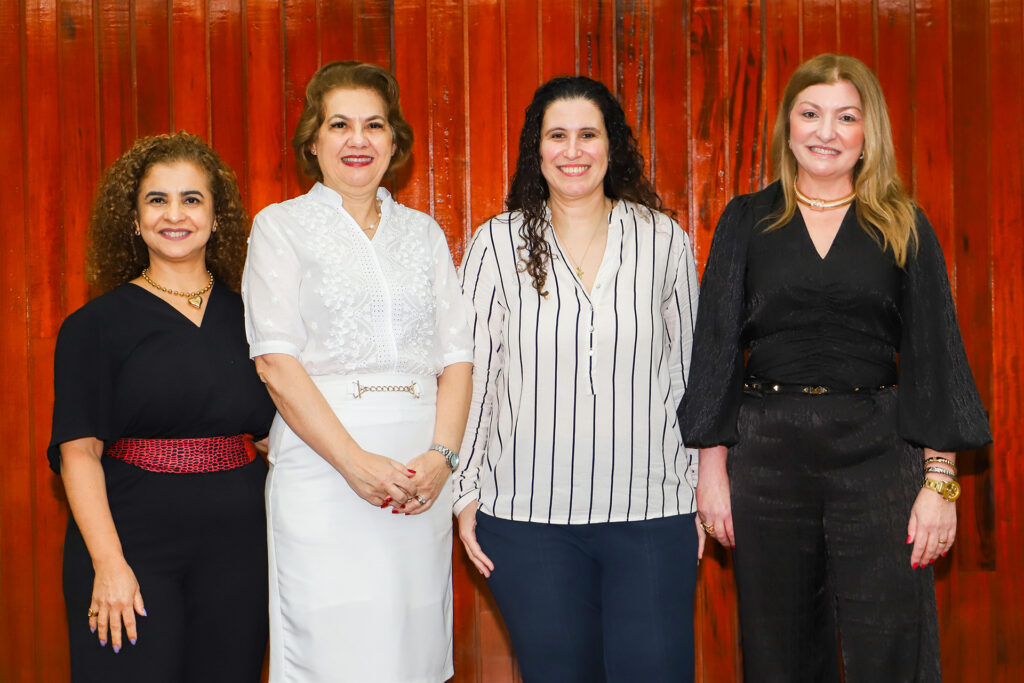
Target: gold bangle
pixel 940 459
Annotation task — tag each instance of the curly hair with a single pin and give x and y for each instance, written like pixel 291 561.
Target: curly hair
pixel 528 192
pixel 884 210
pixel 117 255
pixel 355 75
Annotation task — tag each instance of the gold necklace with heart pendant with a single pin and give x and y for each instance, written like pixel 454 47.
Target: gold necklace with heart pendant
pixel 195 299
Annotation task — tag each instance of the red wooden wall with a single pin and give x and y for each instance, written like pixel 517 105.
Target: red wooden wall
pixel 700 80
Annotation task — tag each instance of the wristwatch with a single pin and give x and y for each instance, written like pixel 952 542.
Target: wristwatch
pixel 450 456
pixel 950 490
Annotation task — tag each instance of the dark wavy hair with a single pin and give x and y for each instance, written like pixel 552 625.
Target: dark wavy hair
pixel 529 193
pixel 356 75
pixel 117 255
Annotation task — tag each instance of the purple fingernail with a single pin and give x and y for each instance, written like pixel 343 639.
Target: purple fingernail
pixel 117 648
pixel 132 640
pixel 143 612
pixel 92 629
pixel 103 643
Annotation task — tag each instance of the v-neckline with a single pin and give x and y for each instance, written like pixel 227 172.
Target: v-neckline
pixel 810 240
pixel 563 253
pixel 199 325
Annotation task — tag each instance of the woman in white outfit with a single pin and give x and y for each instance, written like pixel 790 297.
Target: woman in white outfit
pixel 356 323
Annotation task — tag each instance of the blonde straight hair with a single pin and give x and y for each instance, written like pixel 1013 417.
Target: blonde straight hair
pixel 884 210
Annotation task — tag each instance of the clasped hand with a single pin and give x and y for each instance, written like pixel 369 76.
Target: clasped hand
pixel 382 482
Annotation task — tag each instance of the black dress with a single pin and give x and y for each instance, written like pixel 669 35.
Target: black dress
pixel 128 365
pixel 822 486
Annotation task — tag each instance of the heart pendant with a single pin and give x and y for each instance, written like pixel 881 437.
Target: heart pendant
pixel 196 301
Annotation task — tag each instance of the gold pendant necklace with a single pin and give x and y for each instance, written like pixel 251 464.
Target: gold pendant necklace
pixel 195 299
pixel 822 204
pixel 577 265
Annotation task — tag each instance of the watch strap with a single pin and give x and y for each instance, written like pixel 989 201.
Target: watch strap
pixel 450 456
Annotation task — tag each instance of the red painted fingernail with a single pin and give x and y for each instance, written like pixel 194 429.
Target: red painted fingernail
pixel 388 500
pixel 908 539
pixel 944 554
pixel 913 565
pixel 383 505
pixel 396 512
pixel 412 471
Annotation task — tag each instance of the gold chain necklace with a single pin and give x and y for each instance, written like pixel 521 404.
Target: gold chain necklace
pixel 195 299
pixel 577 264
pixel 822 204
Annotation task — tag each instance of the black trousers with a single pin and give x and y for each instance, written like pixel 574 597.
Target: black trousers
pixel 593 603
pixel 197 545
pixel 822 488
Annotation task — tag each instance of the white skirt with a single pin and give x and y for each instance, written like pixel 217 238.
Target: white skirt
pixel 358 593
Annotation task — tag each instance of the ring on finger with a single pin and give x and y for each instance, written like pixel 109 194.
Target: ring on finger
pixel 942 542
pixel 709 528
pixel 421 499
pixel 93 612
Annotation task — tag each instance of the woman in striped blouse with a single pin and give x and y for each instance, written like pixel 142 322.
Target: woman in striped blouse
pixel 576 496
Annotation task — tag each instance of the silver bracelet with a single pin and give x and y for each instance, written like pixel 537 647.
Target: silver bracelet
pixel 940 470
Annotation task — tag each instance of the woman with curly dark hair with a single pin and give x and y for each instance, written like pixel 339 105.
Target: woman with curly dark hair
pixel 154 404
pixel 576 495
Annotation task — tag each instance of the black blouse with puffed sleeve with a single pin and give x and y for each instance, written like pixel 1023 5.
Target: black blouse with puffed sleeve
pixel 851 319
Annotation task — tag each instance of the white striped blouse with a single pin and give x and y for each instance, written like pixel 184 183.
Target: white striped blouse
pixel 573 418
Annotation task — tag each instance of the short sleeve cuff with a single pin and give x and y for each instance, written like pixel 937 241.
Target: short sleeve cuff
pixel 460 356
pixel 271 346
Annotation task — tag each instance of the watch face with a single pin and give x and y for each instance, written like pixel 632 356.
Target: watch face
pixel 952 491
pixel 453 461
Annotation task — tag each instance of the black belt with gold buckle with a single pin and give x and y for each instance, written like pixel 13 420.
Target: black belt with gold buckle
pixel 767 387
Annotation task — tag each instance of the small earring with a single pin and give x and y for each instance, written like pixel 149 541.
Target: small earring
pixel 312 151
pixel 138 233
pixel 215 226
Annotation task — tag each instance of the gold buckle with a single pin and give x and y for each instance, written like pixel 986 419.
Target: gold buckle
pixel 359 389
pixel 815 391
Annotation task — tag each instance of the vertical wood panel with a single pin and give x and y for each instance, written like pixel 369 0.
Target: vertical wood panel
pixel 1006 40
pixel 113 29
pixel 410 67
pixel 228 133
pixel 189 61
pixel 152 68
pixel 265 134
pixel 700 82
pixel 670 169
pixel 971 255
pixel 16 650
pixel 301 60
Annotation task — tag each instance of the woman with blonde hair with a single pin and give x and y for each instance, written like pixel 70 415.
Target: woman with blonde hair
pixel 355 318
pixel 830 392
pixel 154 404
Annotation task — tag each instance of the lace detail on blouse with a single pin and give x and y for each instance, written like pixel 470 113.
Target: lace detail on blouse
pixel 316 288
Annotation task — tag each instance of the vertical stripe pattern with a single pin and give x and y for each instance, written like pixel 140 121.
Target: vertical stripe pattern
pixel 574 393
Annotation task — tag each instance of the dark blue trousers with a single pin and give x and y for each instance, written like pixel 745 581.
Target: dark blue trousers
pixel 596 602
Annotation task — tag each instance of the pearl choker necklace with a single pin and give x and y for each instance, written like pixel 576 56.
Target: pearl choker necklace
pixel 822 204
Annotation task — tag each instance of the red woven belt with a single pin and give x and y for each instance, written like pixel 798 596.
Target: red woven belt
pixel 184 456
